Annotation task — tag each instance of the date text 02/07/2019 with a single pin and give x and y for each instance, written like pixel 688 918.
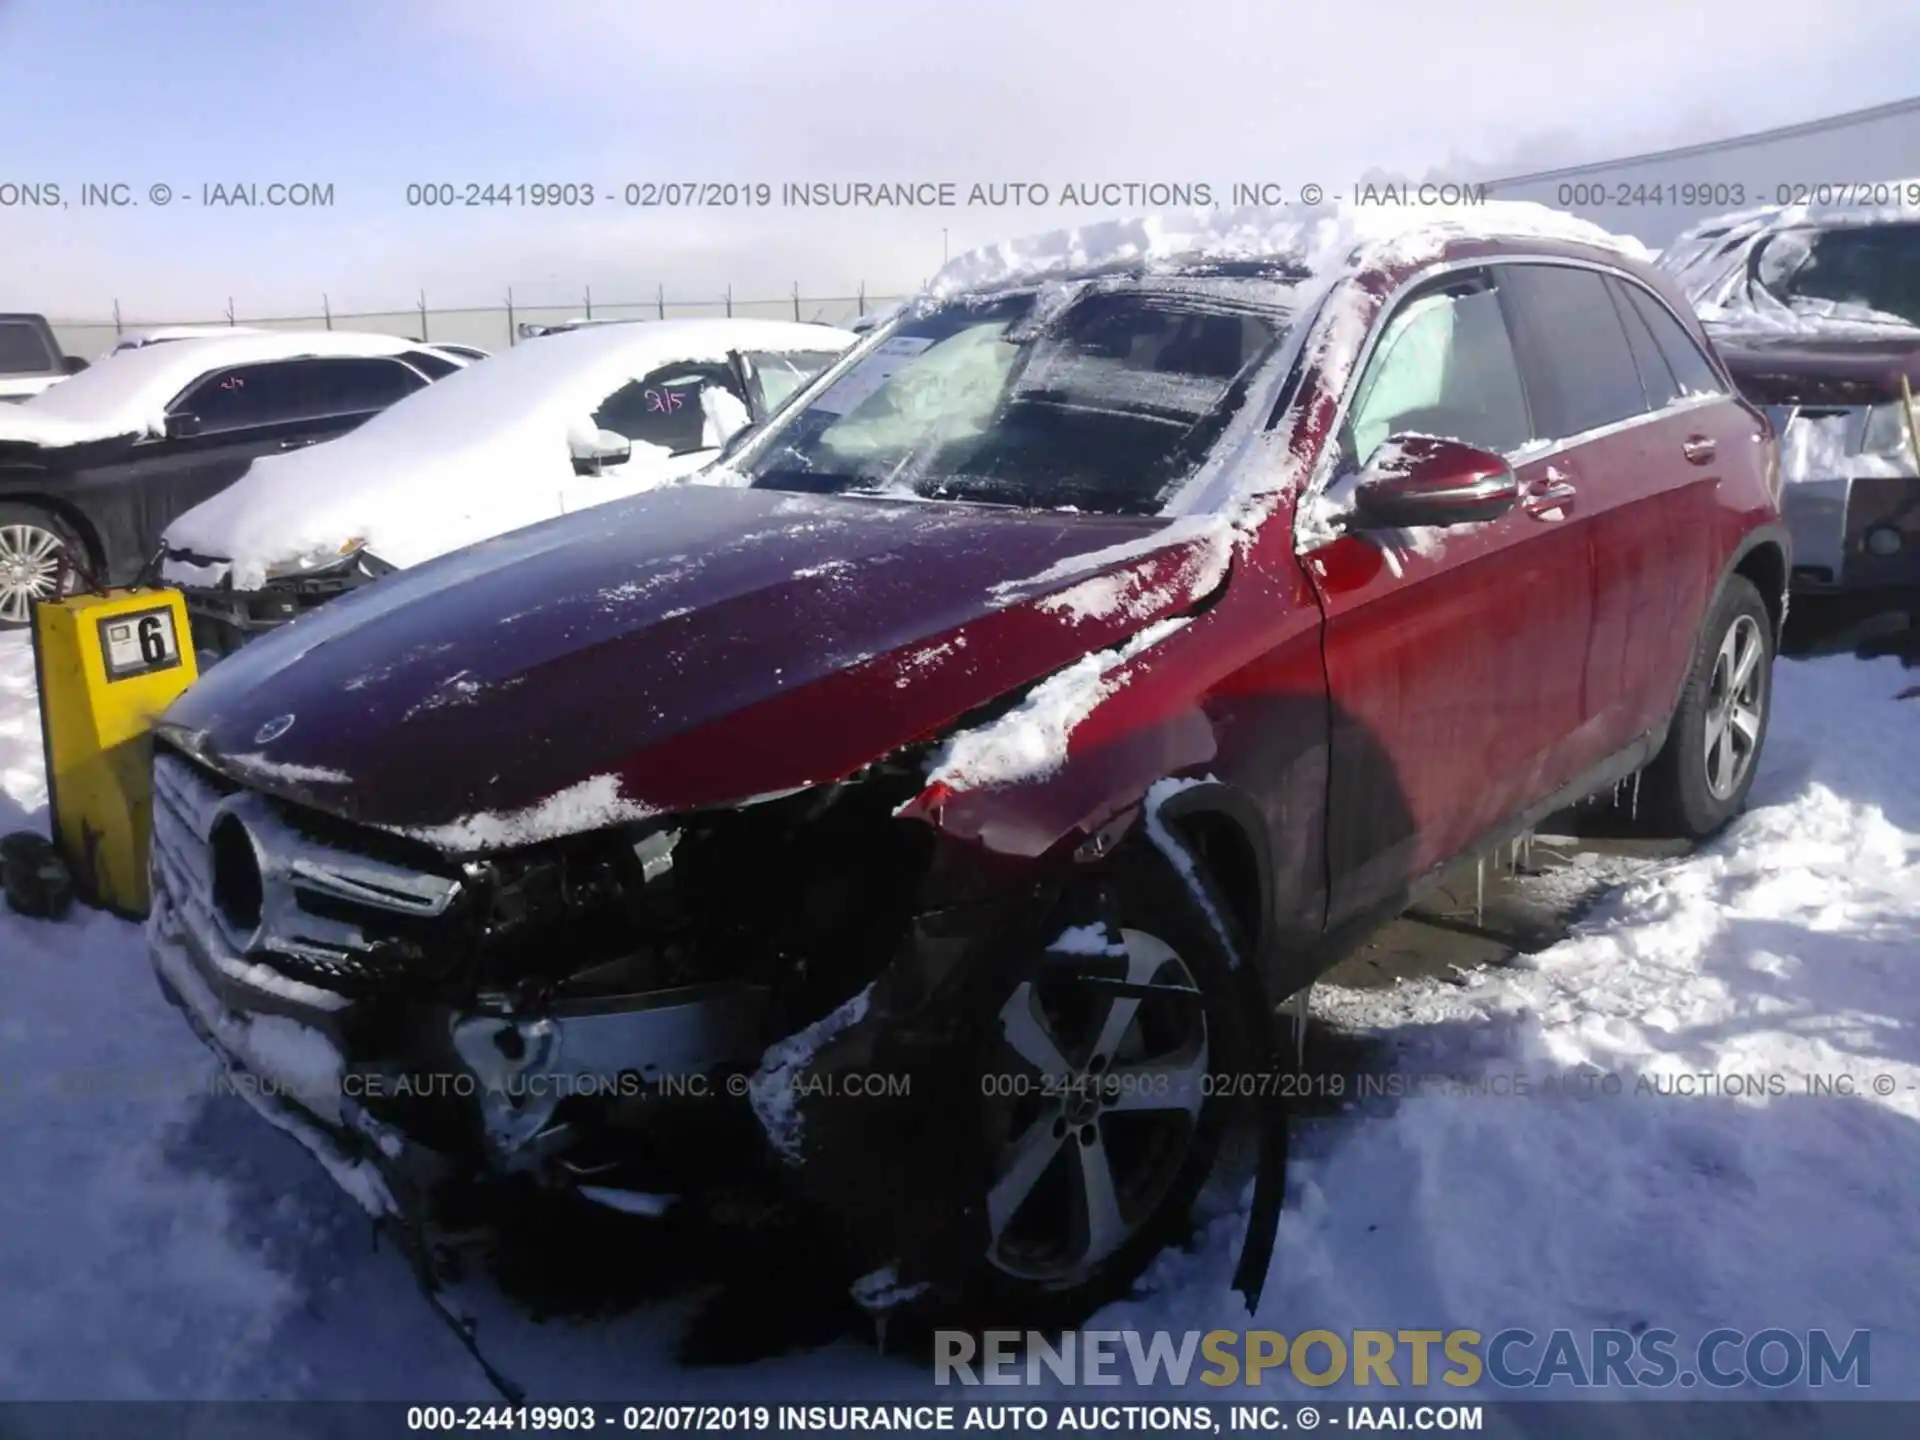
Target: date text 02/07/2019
pixel 1717 195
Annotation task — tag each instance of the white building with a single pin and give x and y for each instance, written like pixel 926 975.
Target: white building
pixel 1656 196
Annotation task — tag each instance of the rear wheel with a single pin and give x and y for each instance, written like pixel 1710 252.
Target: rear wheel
pixel 35 555
pixel 1701 778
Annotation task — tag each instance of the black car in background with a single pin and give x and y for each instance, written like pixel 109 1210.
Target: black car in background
pixel 30 358
pixel 93 469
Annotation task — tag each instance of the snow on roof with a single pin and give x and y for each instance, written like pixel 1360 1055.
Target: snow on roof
pixel 1324 238
pixel 1710 263
pixel 471 456
pixel 128 393
pixel 135 339
pixel 1031 741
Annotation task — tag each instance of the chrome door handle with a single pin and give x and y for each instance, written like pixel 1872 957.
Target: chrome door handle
pixel 1699 449
pixel 1548 498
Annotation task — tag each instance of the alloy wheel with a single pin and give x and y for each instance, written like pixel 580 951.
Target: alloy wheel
pixel 1734 703
pixel 30 558
pixel 1093 1122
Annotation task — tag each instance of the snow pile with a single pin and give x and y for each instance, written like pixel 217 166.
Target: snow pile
pixel 474 455
pixel 124 1277
pixel 773 1090
pixel 128 393
pixel 140 339
pixel 593 804
pixel 1725 1048
pixel 1141 591
pixel 1823 447
pixel 1322 238
pixel 1666 1166
pixel 1029 742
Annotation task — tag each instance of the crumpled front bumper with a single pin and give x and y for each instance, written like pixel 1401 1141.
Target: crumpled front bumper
pixel 292 1075
pixel 399 1098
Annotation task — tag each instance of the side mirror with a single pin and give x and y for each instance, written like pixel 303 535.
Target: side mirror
pixel 74 364
pixel 593 453
pixel 181 426
pixel 1415 480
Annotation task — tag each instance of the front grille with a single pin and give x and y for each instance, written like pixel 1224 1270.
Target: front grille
pixel 310 922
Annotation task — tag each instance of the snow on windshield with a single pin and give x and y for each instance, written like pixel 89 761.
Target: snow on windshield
pixel 1033 400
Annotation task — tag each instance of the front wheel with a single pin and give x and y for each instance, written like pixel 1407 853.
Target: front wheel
pixel 35 555
pixel 1701 778
pixel 1098 1101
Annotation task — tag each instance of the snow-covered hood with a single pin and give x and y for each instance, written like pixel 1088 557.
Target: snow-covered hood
pixel 691 647
pixel 474 455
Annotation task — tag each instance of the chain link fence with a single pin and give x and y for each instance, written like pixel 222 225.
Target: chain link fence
pixel 491 327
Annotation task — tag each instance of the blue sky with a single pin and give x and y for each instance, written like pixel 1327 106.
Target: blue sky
pixel 370 97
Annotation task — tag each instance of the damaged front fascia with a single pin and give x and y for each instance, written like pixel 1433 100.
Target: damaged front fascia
pixel 751 922
pixel 903 1174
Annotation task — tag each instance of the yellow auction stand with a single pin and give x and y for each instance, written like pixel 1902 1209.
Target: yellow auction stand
pixel 108 665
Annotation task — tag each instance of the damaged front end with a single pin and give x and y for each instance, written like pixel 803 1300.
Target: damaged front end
pixel 639 1015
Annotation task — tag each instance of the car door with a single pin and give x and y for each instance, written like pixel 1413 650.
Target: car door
pixel 1640 451
pixel 1454 658
pixel 1708 429
pixel 224 421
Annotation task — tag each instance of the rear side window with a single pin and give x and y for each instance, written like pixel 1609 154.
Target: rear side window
pixel 1444 366
pixel 1691 368
pixel 245 395
pixel 434 367
pixel 351 386
pixel 1656 375
pixel 1579 366
pixel 23 350
pixel 286 390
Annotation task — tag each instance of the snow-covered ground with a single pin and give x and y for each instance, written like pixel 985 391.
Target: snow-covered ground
pixel 159 1240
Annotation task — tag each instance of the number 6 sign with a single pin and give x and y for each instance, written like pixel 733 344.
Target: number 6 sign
pixel 139 643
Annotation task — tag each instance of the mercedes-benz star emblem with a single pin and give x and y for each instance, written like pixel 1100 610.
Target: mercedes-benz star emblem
pixel 273 730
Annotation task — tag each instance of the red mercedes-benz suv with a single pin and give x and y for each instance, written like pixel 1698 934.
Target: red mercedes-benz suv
pixel 929 814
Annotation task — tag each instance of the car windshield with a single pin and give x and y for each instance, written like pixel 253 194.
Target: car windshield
pixel 1099 399
pixel 1873 267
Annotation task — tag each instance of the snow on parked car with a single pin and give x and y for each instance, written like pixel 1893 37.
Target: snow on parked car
pixel 1805 268
pixel 571 420
pixel 1816 310
pixel 93 468
pixel 167 334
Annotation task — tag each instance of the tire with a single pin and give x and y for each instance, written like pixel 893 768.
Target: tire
pixel 1701 777
pixel 32 543
pixel 1159 1144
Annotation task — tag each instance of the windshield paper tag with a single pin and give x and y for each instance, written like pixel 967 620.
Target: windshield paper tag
pixel 873 372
